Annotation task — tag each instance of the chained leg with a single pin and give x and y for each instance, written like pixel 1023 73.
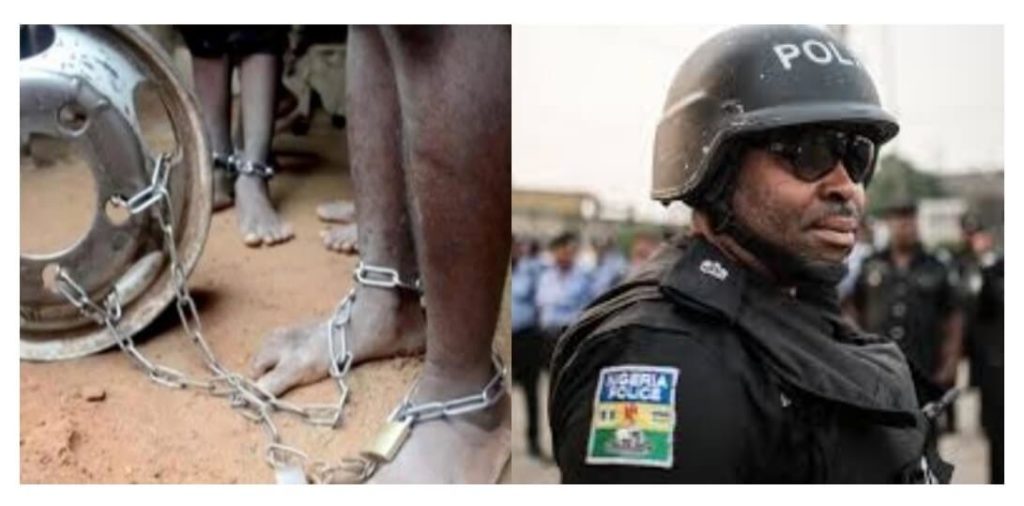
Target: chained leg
pixel 454 87
pixel 257 220
pixel 213 81
pixel 385 322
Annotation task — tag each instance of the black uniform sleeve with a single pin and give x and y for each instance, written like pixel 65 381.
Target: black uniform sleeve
pixel 709 436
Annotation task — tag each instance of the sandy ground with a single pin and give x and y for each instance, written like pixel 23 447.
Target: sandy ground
pixel 139 432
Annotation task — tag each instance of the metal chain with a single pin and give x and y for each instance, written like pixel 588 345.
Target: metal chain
pixel 491 394
pixel 384 277
pixel 340 356
pixel 254 168
pixel 245 395
pixel 235 164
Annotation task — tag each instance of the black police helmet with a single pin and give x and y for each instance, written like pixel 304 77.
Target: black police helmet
pixel 756 78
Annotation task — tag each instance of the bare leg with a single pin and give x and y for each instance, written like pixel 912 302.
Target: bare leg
pixel 213 81
pixel 455 91
pixel 257 220
pixel 384 322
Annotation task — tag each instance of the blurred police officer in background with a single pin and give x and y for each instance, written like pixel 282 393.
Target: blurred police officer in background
pixel 981 290
pixel 564 288
pixel 528 348
pixel 988 336
pixel 910 296
pixel 726 358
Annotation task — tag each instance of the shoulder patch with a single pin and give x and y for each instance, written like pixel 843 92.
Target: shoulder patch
pixel 634 416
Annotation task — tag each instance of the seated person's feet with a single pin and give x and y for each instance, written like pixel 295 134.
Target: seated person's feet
pixel 341 238
pixel 257 220
pixel 337 211
pixel 470 448
pixel 384 323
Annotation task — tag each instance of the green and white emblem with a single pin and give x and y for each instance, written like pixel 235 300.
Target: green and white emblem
pixel 634 416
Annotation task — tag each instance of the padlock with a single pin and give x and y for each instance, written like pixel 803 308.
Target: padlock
pixel 389 440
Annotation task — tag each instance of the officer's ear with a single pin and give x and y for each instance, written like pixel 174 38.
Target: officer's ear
pixel 716 199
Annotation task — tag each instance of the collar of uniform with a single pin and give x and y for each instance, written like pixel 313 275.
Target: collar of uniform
pixel 799 337
pixel 704 277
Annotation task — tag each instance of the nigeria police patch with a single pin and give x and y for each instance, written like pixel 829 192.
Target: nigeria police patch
pixel 634 416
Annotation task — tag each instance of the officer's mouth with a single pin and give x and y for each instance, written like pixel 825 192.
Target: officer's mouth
pixel 835 231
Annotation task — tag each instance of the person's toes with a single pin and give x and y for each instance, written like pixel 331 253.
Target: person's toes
pixel 286 232
pixel 341 239
pixel 268 236
pixel 278 380
pixel 267 357
pixel 328 239
pixel 252 239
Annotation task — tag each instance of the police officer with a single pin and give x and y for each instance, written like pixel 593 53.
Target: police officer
pixel 989 362
pixel 981 294
pixel 528 342
pixel 976 253
pixel 911 296
pixel 726 359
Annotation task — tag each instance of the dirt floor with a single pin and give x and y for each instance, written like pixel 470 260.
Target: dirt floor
pixel 99 420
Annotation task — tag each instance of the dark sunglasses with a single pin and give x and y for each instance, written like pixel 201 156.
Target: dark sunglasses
pixel 813 152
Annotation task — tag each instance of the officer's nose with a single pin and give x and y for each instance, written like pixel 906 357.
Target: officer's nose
pixel 837 184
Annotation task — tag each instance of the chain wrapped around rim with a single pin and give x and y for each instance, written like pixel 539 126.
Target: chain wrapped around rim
pixel 246 396
pixel 290 464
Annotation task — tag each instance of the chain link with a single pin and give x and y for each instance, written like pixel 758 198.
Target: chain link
pixel 245 396
pixel 384 277
pixel 254 168
pixel 490 395
pixel 155 192
pixel 235 164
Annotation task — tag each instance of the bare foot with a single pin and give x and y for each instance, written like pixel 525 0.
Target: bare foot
pixel 384 323
pixel 221 189
pixel 337 211
pixel 341 238
pixel 257 220
pixel 471 448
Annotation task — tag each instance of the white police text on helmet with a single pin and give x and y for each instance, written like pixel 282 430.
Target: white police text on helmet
pixel 816 51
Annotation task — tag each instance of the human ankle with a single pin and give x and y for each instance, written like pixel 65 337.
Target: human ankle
pixel 463 377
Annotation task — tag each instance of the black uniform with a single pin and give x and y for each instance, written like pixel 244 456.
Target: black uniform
pixel 989 335
pixel 910 307
pixel 696 370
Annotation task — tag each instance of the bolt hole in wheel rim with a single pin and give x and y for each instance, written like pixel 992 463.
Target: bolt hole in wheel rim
pixel 107 100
